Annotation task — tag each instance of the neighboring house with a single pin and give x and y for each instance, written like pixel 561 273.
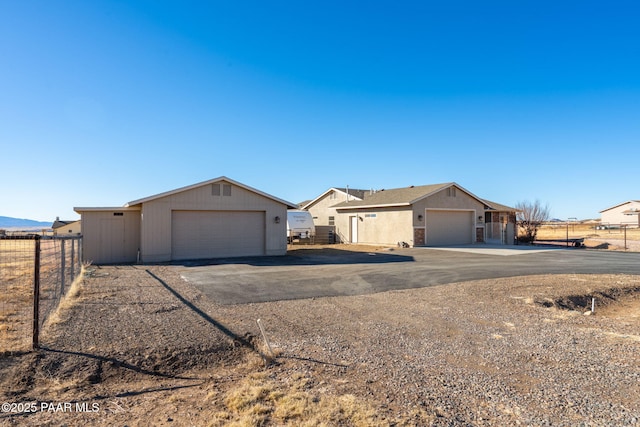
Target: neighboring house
pixel 626 213
pixel 66 228
pixel 428 215
pixel 211 219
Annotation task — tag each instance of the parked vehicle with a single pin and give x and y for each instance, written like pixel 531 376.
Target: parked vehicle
pixel 299 225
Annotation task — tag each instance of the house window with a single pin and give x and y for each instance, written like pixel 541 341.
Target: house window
pixel 332 196
pixel 370 215
pixel 215 189
pixel 451 192
pixel 118 214
pixel 226 189
pixel 332 220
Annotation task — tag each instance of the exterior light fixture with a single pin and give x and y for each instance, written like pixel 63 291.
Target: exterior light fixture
pixel 419 217
pixel 277 220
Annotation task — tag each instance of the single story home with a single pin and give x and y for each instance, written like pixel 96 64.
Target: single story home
pixel 66 228
pixel 211 219
pixel 427 215
pixel 627 213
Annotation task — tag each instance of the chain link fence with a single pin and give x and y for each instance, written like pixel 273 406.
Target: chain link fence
pixel 35 273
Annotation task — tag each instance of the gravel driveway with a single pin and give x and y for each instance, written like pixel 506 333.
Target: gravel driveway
pixel 151 349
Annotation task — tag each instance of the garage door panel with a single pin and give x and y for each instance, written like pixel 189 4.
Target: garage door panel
pixel 216 234
pixel 449 228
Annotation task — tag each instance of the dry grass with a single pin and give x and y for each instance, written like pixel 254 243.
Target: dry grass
pixel 260 400
pixel 16 294
pixel 559 231
pixel 73 295
pixel 16 288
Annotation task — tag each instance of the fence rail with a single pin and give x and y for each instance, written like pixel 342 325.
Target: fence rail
pixel 35 273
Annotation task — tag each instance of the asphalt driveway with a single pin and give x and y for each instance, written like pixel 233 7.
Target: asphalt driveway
pixel 312 273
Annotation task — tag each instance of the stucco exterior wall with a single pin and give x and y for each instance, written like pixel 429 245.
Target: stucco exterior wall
pixel 342 227
pixel 157 214
pixel 321 209
pixel 384 226
pixel 441 200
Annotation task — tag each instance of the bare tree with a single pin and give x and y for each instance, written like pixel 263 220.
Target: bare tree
pixel 530 216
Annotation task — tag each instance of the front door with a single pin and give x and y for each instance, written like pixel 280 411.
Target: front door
pixel 354 229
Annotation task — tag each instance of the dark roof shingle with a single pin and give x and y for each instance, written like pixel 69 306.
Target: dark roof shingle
pixel 396 196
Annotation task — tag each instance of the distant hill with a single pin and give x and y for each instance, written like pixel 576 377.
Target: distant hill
pixel 8 222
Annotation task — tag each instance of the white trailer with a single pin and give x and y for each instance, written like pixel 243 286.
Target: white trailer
pixel 299 225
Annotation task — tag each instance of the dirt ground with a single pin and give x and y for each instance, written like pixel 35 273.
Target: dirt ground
pixel 136 345
pixel 611 239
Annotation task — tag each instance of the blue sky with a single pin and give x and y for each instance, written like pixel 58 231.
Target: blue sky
pixel 104 102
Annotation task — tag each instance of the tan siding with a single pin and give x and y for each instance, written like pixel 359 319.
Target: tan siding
pixel 615 215
pixel 71 229
pixel 214 234
pixel 156 219
pixel 109 239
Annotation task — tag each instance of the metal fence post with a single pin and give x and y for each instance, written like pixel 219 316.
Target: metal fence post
pixel 80 254
pixel 63 259
pixel 36 294
pixel 73 264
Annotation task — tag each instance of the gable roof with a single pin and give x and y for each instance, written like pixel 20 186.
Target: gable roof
pixel 60 223
pixel 498 207
pixel 620 204
pixel 360 194
pixel 354 192
pixel 405 196
pixel 209 182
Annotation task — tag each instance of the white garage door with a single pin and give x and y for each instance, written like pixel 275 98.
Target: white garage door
pixel 449 228
pixel 217 234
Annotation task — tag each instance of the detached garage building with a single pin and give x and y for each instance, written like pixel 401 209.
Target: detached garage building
pixel 212 219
